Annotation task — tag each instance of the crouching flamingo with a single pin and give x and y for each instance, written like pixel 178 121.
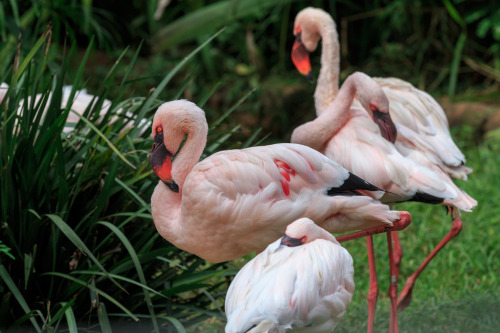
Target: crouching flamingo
pixel 367 142
pixel 238 201
pixel 302 282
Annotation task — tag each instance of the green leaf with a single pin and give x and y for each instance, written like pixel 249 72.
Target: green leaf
pixel 102 314
pixel 95 129
pixel 70 319
pixel 4 274
pixel 96 290
pixel 138 267
pixel 73 237
pixel 207 19
pixel 454 13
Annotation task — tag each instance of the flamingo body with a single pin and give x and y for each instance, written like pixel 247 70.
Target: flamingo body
pixel 238 201
pixel 304 288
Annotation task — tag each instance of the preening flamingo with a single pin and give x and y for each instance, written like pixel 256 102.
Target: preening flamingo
pixel 415 109
pixel 367 142
pixel 238 201
pixel 301 282
pixel 409 106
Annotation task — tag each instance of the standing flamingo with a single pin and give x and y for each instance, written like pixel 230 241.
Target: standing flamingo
pixel 367 142
pixel 411 107
pixel 238 201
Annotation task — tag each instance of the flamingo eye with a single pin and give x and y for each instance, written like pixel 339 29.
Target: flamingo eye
pixel 298 30
pixel 303 239
pixel 159 129
pixel 373 107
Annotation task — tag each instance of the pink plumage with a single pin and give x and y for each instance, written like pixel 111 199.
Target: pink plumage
pixel 238 201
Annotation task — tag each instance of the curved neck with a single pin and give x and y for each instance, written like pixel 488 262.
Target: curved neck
pixel 328 79
pixel 189 155
pixel 166 212
pixel 318 132
pixel 166 204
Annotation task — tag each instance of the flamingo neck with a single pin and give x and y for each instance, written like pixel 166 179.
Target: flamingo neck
pixel 318 132
pixel 166 205
pixel 187 157
pixel 328 80
pixel 166 212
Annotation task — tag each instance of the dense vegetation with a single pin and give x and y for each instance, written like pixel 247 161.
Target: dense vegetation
pixel 78 249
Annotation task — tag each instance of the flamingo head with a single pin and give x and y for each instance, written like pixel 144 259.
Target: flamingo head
pixel 161 159
pixel 304 231
pixel 307 31
pixel 373 99
pixel 172 122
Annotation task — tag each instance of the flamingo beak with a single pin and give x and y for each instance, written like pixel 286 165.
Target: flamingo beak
pixel 300 58
pixel 386 125
pixel 292 242
pixel 161 162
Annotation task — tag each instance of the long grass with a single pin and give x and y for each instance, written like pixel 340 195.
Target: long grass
pixel 79 249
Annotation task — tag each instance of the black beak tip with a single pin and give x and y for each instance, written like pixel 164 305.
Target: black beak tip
pixel 290 242
pixel 310 77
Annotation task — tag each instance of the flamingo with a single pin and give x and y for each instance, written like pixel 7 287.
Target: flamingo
pixel 409 106
pixel 238 201
pixel 81 102
pixel 303 282
pixel 367 142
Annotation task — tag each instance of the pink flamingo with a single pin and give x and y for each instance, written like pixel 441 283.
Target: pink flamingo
pixel 238 201
pixel 301 282
pixel 415 109
pixel 367 142
pixel 81 102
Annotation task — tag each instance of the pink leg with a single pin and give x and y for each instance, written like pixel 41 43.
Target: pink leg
pixel 372 295
pixel 402 223
pixel 393 287
pixel 405 297
pixel 398 251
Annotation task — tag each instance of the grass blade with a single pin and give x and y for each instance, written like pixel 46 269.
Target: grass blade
pixel 18 295
pixel 96 290
pixel 119 277
pixel 137 264
pixel 73 237
pixel 171 74
pixel 110 144
pixel 102 314
pixel 70 319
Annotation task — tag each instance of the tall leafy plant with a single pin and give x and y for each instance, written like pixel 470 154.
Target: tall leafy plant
pixel 78 245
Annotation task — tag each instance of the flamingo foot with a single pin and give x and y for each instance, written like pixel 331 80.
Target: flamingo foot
pixel 404 299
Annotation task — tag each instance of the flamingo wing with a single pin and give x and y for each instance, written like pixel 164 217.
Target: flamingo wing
pixel 420 113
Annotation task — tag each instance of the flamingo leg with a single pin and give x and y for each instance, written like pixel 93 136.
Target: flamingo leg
pixel 393 287
pixel 398 251
pixel 402 223
pixel 372 295
pixel 405 297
